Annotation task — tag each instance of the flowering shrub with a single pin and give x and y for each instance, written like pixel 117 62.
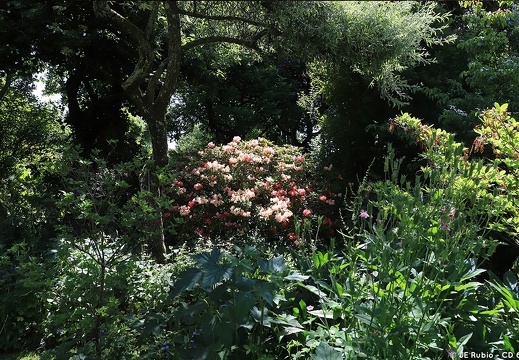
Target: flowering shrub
pixel 246 186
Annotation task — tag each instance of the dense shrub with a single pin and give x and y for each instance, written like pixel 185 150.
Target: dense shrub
pixel 248 186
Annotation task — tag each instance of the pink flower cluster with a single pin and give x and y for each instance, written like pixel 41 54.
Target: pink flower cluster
pixel 243 186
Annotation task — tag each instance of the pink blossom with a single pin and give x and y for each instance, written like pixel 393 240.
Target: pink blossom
pixel 266 212
pixel 322 198
pixel 364 214
pixel 201 200
pixel 268 151
pixel 280 218
pixel 254 142
pixel 211 145
pixel 236 210
pixel 301 192
pixel 307 212
pixel 198 186
pixel 300 158
pixel 227 148
pixel 233 161
pixel 184 210
pixel 236 139
pixel 245 157
pixel 216 200
pixel 292 236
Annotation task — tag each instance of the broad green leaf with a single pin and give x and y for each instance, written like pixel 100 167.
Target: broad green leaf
pixel 186 281
pixel 206 257
pixel 508 344
pixel 472 273
pixel 510 280
pixel 314 290
pixel 257 315
pixel 325 352
pixel 322 314
pixel 291 330
pixel 473 285
pixel 266 291
pixel 215 272
pixel 464 339
pixel 243 303
pixel 295 276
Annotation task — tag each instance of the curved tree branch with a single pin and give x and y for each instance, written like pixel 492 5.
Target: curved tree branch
pixel 151 20
pixel 174 54
pixel 146 57
pixel 221 18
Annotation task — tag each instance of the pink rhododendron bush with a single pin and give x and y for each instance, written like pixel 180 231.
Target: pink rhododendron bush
pixel 245 188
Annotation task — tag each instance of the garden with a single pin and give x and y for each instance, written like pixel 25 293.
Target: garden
pixel 216 186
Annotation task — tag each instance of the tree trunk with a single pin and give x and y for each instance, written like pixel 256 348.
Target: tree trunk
pixel 157 127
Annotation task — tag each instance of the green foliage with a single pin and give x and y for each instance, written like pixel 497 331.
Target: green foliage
pixel 237 311
pixel 495 191
pixel 29 147
pixel 241 96
pixel 479 69
pixel 94 307
pixel 379 41
pixel 24 276
pixel 196 138
pixel 30 130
